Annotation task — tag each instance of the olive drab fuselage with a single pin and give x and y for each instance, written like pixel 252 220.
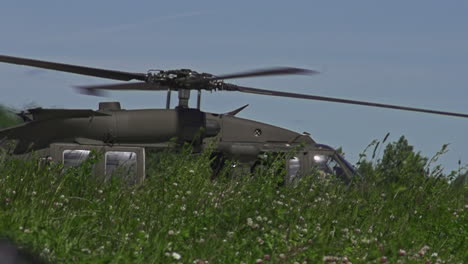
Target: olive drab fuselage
pixel 111 127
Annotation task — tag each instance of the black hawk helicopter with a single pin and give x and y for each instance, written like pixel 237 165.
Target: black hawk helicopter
pixel 124 136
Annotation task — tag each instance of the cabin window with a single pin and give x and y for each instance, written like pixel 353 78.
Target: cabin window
pixel 121 162
pixel 73 158
pixel 294 165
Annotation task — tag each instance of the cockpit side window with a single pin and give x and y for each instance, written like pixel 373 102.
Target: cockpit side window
pixel 294 166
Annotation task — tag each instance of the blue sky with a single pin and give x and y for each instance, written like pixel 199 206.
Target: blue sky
pixel 398 52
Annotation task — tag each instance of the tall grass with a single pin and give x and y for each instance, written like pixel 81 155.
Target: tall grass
pixel 399 211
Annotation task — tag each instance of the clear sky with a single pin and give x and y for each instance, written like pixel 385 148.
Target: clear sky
pixel 398 52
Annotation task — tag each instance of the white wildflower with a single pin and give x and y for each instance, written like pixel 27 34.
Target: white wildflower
pixel 176 255
pixel 423 250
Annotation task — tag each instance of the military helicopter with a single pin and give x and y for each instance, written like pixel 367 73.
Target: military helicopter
pixel 125 136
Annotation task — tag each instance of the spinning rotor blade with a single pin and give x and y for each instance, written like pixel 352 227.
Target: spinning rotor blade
pixel 265 72
pixel 103 73
pixel 98 90
pixel 338 100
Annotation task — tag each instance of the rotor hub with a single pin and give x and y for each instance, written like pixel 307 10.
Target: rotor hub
pixel 184 79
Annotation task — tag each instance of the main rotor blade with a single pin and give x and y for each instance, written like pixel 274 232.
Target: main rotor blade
pixel 265 72
pixel 97 90
pixel 103 73
pixel 338 100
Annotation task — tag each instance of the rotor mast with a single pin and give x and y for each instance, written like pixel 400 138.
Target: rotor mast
pixel 184 96
pixel 183 81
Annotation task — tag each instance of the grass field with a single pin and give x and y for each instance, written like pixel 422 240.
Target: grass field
pixel 402 210
pixel 398 212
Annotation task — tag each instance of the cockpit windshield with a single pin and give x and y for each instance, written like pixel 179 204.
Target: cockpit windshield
pixel 327 164
pixel 335 164
pixel 350 167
